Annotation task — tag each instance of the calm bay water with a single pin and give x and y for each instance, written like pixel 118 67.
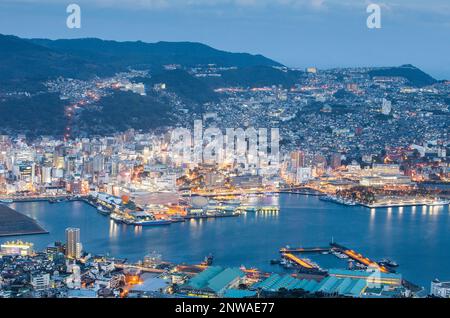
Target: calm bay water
pixel 416 237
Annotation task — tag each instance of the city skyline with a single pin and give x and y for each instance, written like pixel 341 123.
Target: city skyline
pixel 233 149
pixel 325 34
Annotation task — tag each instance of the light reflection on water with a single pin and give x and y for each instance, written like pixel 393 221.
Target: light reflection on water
pixel 417 241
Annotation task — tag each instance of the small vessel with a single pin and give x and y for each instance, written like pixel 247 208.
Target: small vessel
pixel 128 221
pixel 275 262
pixel 208 261
pixel 387 262
pixel 177 219
pixel 103 211
pixel 116 217
pixel 55 200
pixel 336 199
pixel 340 255
pixel 6 201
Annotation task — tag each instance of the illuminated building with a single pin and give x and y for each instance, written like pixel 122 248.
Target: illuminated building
pixel 386 108
pixel 40 281
pixel 391 169
pixel 440 289
pixel 303 175
pixel 46 174
pixel 73 244
pixel 382 180
pixel 25 171
pixel 335 161
pixel 297 160
pixel 17 248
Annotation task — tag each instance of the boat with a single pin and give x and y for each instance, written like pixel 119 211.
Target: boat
pixel 6 201
pixel 438 203
pixel 177 219
pixel 128 221
pixel 151 222
pixel 340 255
pixel 103 211
pixel 232 202
pixel 116 217
pixel 339 200
pixel 208 260
pixel 55 200
pixel 387 262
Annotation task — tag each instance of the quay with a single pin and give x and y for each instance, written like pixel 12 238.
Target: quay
pixel 263 209
pixel 298 261
pixel 397 205
pixel 67 197
pixel 140 268
pixel 199 217
pixel 333 246
pixel 304 250
pixel 359 257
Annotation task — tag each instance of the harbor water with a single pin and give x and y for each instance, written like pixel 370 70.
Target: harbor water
pixel 415 237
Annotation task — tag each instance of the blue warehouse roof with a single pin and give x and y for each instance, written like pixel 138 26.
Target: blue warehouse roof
pixel 215 278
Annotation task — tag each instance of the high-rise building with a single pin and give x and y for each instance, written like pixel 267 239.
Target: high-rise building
pixel 440 289
pixel 335 161
pixel 297 160
pixel 386 108
pixel 46 175
pixel 73 244
pixel 303 175
pixel 40 282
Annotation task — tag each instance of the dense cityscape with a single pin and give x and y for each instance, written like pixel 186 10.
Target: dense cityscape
pixel 345 136
pixel 224 156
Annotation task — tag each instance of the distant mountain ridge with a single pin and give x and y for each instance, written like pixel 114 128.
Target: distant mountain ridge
pixel 37 58
pixel 414 75
pixel 159 53
pixel 24 62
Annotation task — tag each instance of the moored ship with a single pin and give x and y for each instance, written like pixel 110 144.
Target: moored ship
pixel 439 203
pixel 151 222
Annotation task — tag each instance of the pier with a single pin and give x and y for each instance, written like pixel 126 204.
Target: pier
pixel 289 254
pixel 359 258
pixel 298 261
pixel 260 209
pixel 305 250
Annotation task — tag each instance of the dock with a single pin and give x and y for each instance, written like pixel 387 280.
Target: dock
pixel 360 258
pixel 305 250
pixel 288 253
pixel 299 261
pixel 259 209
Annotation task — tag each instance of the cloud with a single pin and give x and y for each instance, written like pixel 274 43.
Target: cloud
pixel 440 7
pixel 173 4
